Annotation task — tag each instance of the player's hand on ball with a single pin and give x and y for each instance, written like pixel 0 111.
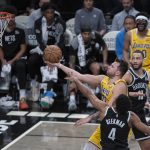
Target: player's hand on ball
pixel 52 54
pixel 52 65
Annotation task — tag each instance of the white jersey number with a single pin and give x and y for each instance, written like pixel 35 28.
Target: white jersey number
pixel 141 97
pixel 112 134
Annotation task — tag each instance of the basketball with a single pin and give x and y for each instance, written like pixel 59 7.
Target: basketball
pixel 52 54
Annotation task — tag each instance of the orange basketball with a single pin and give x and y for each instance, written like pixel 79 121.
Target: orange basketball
pixel 52 54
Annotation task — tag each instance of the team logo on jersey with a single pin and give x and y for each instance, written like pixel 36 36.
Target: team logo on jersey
pixel 139 86
pixel 138 46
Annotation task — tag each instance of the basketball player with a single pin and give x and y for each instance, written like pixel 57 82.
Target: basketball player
pixel 115 124
pixel 137 79
pixel 111 87
pixel 138 38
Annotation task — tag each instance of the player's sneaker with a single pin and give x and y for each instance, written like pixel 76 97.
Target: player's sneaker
pixel 47 100
pixel 7 101
pixel 72 106
pixel 23 104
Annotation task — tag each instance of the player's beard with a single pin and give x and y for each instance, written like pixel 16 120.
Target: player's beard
pixel 137 67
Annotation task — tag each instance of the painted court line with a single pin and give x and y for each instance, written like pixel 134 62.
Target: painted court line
pixel 35 126
pixel 17 113
pixel 58 115
pixel 21 136
pixel 78 116
pixel 37 114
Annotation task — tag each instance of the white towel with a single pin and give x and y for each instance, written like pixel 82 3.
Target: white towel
pixel 44 30
pixel 48 75
pixel 81 51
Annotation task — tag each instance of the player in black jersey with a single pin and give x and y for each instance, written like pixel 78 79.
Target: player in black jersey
pixel 115 123
pixel 137 79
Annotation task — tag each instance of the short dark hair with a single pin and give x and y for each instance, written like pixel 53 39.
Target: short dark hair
pixel 46 6
pixel 140 52
pixel 8 8
pixel 85 28
pixel 123 66
pixel 129 17
pixel 123 104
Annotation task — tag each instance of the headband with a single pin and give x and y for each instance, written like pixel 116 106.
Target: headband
pixel 142 18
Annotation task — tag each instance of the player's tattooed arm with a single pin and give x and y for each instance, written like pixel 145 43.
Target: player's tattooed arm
pixel 88 119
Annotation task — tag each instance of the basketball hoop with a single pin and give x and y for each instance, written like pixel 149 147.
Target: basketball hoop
pixel 4 20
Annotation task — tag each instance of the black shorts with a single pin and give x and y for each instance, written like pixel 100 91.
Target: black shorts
pixel 139 136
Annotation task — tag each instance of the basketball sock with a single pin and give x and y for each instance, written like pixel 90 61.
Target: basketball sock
pixel 72 98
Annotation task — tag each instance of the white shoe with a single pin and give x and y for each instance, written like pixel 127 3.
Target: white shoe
pixel 72 106
pixel 7 101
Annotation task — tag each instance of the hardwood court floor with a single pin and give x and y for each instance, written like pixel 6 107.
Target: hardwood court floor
pixel 48 135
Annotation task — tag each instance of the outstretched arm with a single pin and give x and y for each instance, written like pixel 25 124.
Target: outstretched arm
pixel 98 104
pixel 135 121
pixel 86 78
pixel 94 116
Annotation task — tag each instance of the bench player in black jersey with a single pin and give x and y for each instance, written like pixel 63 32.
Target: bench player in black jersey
pixel 115 122
pixel 137 79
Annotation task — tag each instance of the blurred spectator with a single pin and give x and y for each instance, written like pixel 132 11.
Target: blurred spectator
pixel 90 16
pixel 129 23
pixel 85 53
pixel 111 6
pixel 118 19
pixel 108 19
pixel 36 14
pixel 49 30
pixel 12 52
pixel 138 39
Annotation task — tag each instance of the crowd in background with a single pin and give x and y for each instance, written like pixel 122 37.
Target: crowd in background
pixel 84 49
